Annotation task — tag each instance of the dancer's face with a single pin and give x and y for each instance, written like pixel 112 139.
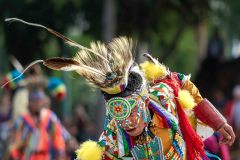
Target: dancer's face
pixel 36 105
pixel 127 112
pixel 37 101
pixel 134 124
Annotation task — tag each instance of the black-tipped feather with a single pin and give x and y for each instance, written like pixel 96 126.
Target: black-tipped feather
pixel 58 63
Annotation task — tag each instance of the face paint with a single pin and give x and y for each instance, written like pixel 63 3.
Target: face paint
pixel 126 111
pixel 133 120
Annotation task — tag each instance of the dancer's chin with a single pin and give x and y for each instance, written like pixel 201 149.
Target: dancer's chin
pixel 134 132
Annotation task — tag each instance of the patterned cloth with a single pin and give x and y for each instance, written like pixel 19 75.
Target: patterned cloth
pixel 164 125
pixel 38 141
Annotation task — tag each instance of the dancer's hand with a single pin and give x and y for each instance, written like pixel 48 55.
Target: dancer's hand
pixel 228 135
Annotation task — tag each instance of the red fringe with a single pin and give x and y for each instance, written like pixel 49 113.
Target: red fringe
pixel 193 142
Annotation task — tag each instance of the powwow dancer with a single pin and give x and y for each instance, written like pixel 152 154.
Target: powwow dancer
pixel 36 125
pixel 152 113
pixel 38 132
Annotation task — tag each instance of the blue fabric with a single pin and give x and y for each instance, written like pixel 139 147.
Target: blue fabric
pixel 212 156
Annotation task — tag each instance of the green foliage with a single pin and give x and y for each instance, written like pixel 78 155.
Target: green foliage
pixel 84 93
pixel 160 40
pixel 185 59
pixel 51 49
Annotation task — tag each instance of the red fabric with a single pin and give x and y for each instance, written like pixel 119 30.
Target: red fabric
pixel 193 142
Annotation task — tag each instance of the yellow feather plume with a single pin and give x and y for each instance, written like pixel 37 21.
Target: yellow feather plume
pixel 89 150
pixel 186 100
pixel 153 71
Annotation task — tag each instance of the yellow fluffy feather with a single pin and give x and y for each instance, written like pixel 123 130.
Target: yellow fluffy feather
pixel 153 71
pixel 186 100
pixel 89 150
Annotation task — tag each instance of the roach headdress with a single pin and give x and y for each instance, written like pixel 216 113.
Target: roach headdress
pixel 106 66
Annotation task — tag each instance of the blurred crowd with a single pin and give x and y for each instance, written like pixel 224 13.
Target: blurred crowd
pixel 29 128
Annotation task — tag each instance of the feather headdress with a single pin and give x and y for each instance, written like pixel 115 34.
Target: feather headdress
pixel 104 65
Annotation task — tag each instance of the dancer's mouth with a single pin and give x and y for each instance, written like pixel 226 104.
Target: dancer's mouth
pixel 130 130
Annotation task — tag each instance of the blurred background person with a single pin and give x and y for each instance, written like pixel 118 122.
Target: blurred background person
pixel 5 106
pixel 215 49
pixel 232 110
pixel 218 99
pixel 38 132
pixel 6 122
pixel 19 92
pixel 232 113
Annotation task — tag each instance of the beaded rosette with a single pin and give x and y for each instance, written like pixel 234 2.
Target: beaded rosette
pixel 120 108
